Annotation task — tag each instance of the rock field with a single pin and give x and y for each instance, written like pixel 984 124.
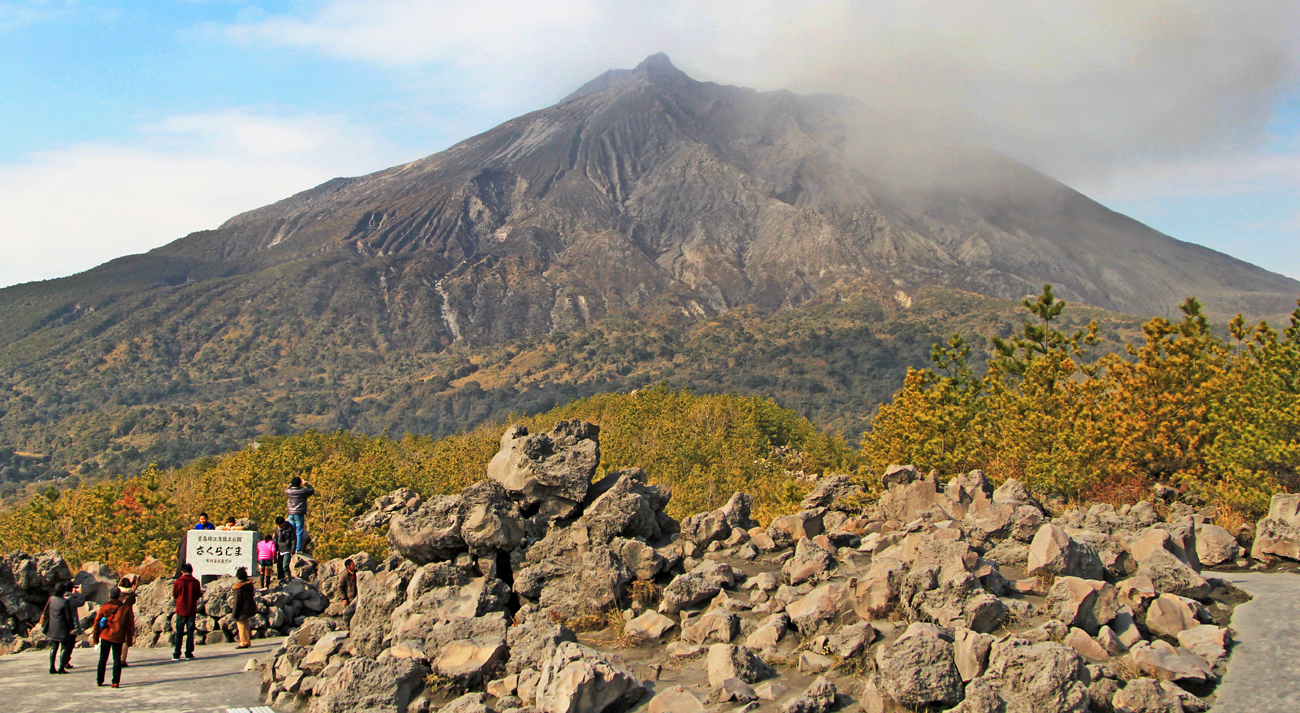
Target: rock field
pixel 539 591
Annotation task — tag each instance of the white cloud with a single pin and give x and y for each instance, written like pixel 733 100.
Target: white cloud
pixel 1079 88
pixel 74 208
pixel 1226 174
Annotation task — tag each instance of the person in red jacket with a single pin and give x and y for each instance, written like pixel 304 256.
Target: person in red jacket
pixel 186 592
pixel 114 627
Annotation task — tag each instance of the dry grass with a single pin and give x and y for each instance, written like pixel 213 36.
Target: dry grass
pixel 1231 519
pixel 1125 668
pixel 644 593
pixel 1045 581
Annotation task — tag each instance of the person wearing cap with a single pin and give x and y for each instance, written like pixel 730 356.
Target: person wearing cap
pixel 114 627
pixel 59 623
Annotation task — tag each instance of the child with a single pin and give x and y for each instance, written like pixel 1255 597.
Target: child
pixel 266 559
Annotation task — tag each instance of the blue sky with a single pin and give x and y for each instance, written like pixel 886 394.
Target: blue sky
pixel 124 126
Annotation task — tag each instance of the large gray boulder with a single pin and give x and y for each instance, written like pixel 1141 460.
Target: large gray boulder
pixel 401 501
pixel 630 508
pixel 942 588
pixel 1215 545
pixel 533 643
pixel 431 533
pixel 1024 677
pixel 703 582
pixel 548 472
pixel 577 679
pixel 920 668
pixel 1054 552
pixel 570 575
pixel 489 519
pixel 1279 533
pixel 377 596
pixel 726 661
pixel 364 684
pixel 1171 575
pixel 1086 603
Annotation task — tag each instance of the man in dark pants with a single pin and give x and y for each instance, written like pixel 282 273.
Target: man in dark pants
pixel 59 622
pixel 114 627
pixel 186 592
pixel 286 543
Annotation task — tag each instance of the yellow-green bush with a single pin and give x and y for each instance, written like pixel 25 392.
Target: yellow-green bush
pixel 1219 416
pixel 703 447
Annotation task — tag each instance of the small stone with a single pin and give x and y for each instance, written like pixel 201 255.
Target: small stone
pixel 1168 615
pixel 728 661
pixel 810 662
pixel 649 626
pixel 675 700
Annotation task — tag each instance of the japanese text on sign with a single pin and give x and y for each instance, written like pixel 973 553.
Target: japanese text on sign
pixel 220 552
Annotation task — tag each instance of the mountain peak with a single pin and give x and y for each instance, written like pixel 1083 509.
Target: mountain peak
pixel 658 67
pixel 657 63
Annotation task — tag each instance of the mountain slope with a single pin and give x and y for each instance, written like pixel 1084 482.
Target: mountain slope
pixel 645 194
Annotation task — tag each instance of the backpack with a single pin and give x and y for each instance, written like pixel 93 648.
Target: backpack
pixel 104 621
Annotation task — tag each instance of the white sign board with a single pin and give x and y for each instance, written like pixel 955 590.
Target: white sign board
pixel 219 552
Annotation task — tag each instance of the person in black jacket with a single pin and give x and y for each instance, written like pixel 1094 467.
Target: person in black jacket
pixel 59 623
pixel 286 543
pixel 245 607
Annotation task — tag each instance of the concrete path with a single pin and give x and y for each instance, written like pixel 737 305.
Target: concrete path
pixel 1264 671
pixel 213 682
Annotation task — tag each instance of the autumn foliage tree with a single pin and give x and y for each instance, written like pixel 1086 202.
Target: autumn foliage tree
pixel 1218 416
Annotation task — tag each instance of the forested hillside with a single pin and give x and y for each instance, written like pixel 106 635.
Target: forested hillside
pixel 1051 405
pixel 110 402
pixel 703 447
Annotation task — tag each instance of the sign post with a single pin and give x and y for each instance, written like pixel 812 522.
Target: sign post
pixel 220 552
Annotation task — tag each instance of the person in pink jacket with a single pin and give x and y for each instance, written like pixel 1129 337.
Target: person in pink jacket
pixel 266 559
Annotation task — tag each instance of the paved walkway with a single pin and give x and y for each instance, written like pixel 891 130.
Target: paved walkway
pixel 1264 671
pixel 213 682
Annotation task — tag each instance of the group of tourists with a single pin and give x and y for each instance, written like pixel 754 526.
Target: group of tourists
pixel 113 631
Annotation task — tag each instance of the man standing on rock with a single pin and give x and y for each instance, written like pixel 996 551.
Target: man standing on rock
pixel 296 508
pixel 186 591
pixel 348 583
pixel 59 623
pixel 286 543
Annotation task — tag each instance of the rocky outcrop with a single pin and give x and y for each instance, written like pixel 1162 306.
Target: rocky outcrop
pixel 1008 608
pixel 1278 535
pixel 548 473
pixel 26 583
